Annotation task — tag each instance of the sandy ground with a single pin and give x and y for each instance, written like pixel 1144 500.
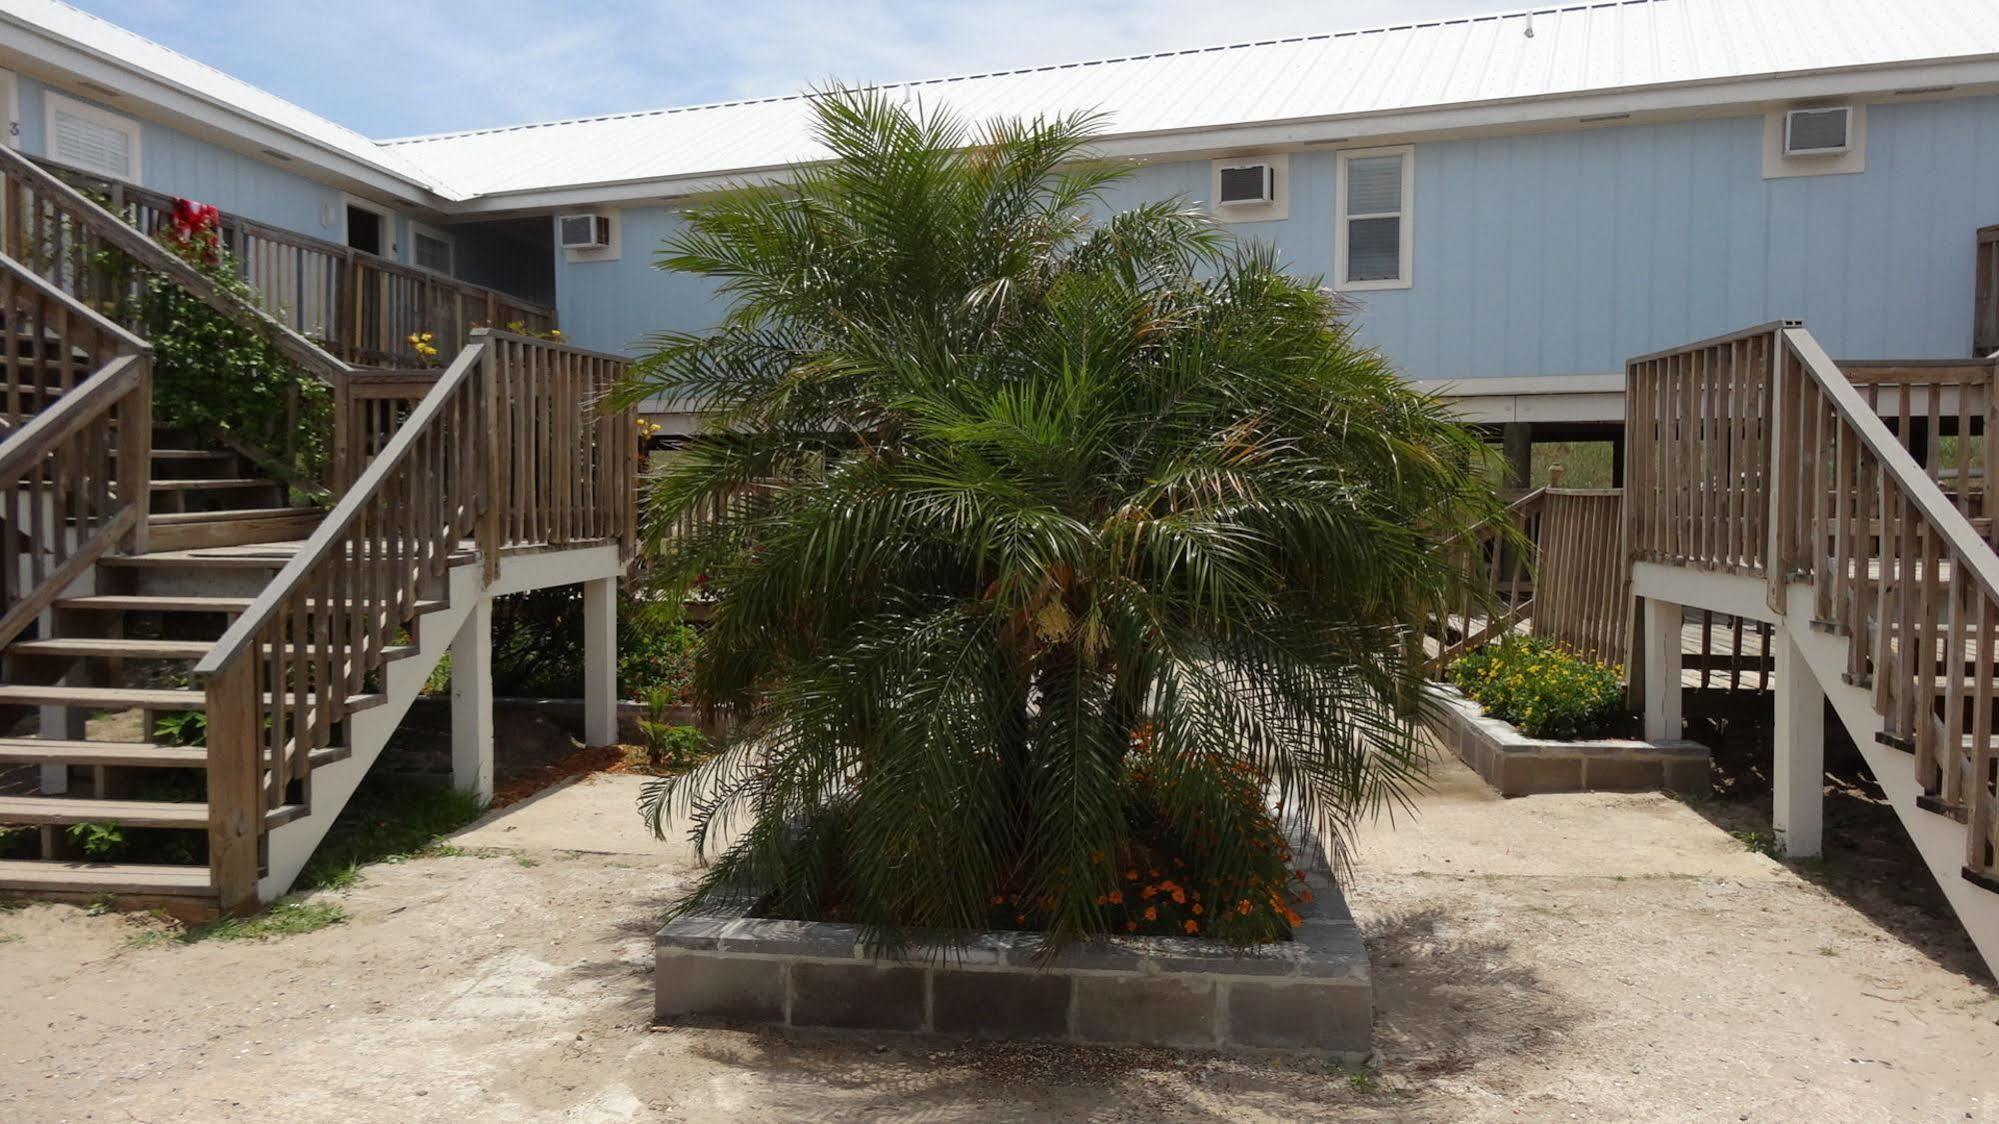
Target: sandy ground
pixel 1554 958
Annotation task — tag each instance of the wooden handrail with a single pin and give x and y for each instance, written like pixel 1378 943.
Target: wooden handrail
pixel 65 509
pixel 18 170
pixel 360 306
pixel 505 449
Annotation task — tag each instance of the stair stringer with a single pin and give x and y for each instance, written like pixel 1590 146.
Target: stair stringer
pixel 1938 838
pixel 331 785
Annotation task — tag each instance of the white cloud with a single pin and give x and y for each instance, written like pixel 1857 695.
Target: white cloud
pixel 395 67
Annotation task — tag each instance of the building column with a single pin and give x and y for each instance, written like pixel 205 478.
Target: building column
pixel 1797 780
pixel 600 662
pixel 1516 445
pixel 1661 661
pixel 472 702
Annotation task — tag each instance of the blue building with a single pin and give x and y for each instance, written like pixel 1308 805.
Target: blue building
pixel 1515 203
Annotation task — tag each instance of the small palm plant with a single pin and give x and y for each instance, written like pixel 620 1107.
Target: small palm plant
pixel 1004 504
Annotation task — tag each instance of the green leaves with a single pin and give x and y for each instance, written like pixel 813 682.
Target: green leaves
pixel 999 489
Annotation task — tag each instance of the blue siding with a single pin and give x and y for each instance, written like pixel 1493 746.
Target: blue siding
pixel 1568 252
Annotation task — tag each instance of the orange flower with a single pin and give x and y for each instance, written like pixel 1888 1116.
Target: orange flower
pixel 1148 892
pixel 1101 899
pixel 1116 897
pixel 1020 919
pixel 1192 927
pixel 1242 907
pixel 999 899
pixel 1151 914
pixel 1131 926
pixel 1131 875
pixel 1199 909
pixel 1179 896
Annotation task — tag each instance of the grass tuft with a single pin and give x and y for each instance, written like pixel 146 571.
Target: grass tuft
pixel 389 820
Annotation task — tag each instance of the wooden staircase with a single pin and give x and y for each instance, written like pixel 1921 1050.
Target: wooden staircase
pixel 1847 505
pixel 145 577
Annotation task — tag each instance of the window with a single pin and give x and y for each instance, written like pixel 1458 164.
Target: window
pixel 89 138
pixel 370 229
pixel 430 249
pixel 1372 249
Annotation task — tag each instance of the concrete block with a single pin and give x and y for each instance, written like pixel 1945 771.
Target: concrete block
pixel 1525 775
pixel 689 983
pixel 1623 774
pixel 1166 1010
pixel 857 996
pixel 1007 1004
pixel 1334 1017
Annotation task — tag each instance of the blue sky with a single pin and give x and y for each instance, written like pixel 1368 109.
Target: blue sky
pixel 398 67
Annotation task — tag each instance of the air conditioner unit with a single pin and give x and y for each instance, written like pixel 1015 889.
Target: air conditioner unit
pixel 585 232
pixel 1818 132
pixel 1244 184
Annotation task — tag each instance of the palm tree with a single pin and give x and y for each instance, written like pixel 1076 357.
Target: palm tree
pixel 1001 497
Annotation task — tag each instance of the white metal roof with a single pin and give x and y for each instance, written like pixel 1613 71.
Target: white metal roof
pixel 106 41
pixel 1571 50
pixel 1510 67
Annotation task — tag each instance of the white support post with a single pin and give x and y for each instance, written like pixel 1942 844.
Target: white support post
pixel 472 702
pixel 600 661
pixel 1662 670
pixel 1798 778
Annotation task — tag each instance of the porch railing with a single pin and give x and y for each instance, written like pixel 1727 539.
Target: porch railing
pixel 505 451
pixel 358 306
pixel 78 443
pixel 1789 472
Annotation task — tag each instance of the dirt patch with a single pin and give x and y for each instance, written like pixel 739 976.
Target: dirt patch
pixel 1586 956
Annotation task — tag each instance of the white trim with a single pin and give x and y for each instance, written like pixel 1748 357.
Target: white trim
pixel 388 217
pixel 1405 228
pixel 1279 206
pixel 10 104
pixel 435 234
pixel 54 103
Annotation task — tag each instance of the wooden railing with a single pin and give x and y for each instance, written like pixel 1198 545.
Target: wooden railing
pixel 1813 485
pixel 505 451
pixel 358 306
pixel 1698 452
pixel 74 471
pixel 1553 567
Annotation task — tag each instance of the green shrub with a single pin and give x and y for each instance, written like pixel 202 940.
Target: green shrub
pixel 1542 688
pixel 538 644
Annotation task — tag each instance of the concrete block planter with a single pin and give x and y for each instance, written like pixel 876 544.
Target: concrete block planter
pixel 1517 765
pixel 1311 994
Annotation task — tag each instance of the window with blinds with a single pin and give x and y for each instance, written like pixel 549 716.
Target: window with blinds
pixel 86 137
pixel 432 252
pixel 1374 218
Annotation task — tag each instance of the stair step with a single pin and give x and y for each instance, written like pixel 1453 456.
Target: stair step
pixel 32 751
pixel 199 529
pixel 111 647
pixel 198 560
pixel 189 455
pixel 120 603
pixel 137 698
pixel 89 647
pixel 211 485
pixel 31 877
pixel 61 810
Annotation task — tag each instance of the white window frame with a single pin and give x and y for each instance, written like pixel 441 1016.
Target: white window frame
pixel 425 230
pixel 53 102
pixel 1406 230
pixel 389 244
